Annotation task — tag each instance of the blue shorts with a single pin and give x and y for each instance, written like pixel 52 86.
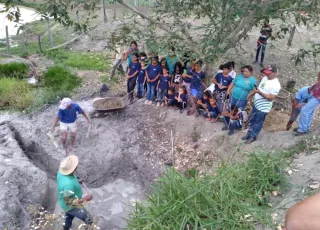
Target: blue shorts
pixel 196 93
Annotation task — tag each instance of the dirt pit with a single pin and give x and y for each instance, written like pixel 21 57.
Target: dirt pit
pixel 276 120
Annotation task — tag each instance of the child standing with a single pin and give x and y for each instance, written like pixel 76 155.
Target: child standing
pixel 169 99
pixel 176 76
pixel 153 72
pixel 234 119
pixel 212 111
pixel 203 102
pixel 141 80
pixel 133 71
pixel 163 85
pixel 181 98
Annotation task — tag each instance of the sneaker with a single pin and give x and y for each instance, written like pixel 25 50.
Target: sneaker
pixel 225 128
pixel 262 65
pixel 158 104
pixel 295 129
pixel 297 134
pixel 250 140
pixel 181 110
pixel 146 102
pixel 230 133
pixel 246 137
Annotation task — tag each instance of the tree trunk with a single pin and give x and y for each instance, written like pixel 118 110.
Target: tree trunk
pixel 292 32
pixel 8 41
pixel 114 9
pixel 104 11
pixel 49 31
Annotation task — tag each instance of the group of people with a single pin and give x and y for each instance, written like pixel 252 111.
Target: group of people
pixel 174 83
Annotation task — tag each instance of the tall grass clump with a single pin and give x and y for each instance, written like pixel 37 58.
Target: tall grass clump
pixel 60 78
pixel 14 69
pixel 236 197
pixel 14 93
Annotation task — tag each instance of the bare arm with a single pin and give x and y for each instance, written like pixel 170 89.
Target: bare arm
pixel 230 88
pixel 251 94
pixel 55 122
pixel 85 115
pixel 269 97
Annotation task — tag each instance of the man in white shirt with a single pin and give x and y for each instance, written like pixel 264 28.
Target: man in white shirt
pixel 264 95
pixel 118 59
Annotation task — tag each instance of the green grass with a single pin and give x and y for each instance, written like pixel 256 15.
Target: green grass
pixel 15 94
pixel 80 60
pixel 14 69
pixel 235 198
pixel 60 78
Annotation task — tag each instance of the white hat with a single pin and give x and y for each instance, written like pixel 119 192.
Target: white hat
pixel 68 165
pixel 65 103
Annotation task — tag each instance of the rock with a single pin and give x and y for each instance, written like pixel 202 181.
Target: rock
pixel 19 179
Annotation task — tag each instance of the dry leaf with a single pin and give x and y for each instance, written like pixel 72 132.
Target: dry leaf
pixel 290 172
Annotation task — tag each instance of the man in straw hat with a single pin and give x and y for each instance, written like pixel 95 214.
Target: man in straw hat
pixel 70 193
pixel 67 116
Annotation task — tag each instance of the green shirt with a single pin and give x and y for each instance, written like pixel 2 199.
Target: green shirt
pixel 243 86
pixel 67 186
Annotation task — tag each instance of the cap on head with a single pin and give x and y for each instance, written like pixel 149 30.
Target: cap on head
pixel 270 69
pixel 65 103
pixel 68 165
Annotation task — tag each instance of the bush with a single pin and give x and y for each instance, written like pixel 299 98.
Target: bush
pixel 14 93
pixel 59 78
pixel 235 198
pixel 14 69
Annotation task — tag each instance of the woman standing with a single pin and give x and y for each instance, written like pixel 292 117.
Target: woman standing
pixel 129 53
pixel 241 86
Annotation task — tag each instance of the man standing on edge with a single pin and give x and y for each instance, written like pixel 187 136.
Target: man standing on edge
pixel 70 193
pixel 306 114
pixel 264 95
pixel 67 116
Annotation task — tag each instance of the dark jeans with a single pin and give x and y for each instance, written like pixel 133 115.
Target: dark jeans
pixel 180 105
pixel 241 104
pixel 234 125
pixel 140 89
pixel 81 214
pixel 131 83
pixel 263 47
pixel 256 122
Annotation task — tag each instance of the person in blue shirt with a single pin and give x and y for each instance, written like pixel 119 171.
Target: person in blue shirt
pixel 212 111
pixel 302 97
pixel 132 73
pixel 203 102
pixel 169 99
pixel 67 116
pixel 141 79
pixel 163 85
pixel 181 98
pixel 133 49
pixel 241 87
pixel 153 72
pixel 234 119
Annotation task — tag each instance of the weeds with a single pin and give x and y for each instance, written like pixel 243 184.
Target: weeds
pixel 14 69
pixel 14 93
pixel 60 79
pixel 80 60
pixel 235 198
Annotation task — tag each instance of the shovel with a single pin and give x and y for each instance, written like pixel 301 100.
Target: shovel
pixel 51 137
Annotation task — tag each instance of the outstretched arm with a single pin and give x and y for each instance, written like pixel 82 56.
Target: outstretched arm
pixel 85 115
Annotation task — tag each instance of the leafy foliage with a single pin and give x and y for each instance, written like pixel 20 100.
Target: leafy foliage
pixel 235 198
pixel 14 69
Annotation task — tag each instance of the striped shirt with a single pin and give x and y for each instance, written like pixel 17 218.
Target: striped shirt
pixel 268 87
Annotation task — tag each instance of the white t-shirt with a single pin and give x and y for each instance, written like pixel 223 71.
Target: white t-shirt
pixel 232 74
pixel 119 52
pixel 268 87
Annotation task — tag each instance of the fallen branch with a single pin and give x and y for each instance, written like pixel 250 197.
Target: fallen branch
pixel 66 43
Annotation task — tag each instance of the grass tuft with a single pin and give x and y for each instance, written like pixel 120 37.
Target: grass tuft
pixel 235 198
pixel 60 78
pixel 14 69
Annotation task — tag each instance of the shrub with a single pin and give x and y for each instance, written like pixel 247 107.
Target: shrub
pixel 235 198
pixel 14 93
pixel 14 69
pixel 60 78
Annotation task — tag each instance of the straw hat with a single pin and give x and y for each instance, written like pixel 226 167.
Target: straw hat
pixel 68 165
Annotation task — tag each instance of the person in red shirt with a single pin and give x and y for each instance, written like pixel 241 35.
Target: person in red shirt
pixel 307 109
